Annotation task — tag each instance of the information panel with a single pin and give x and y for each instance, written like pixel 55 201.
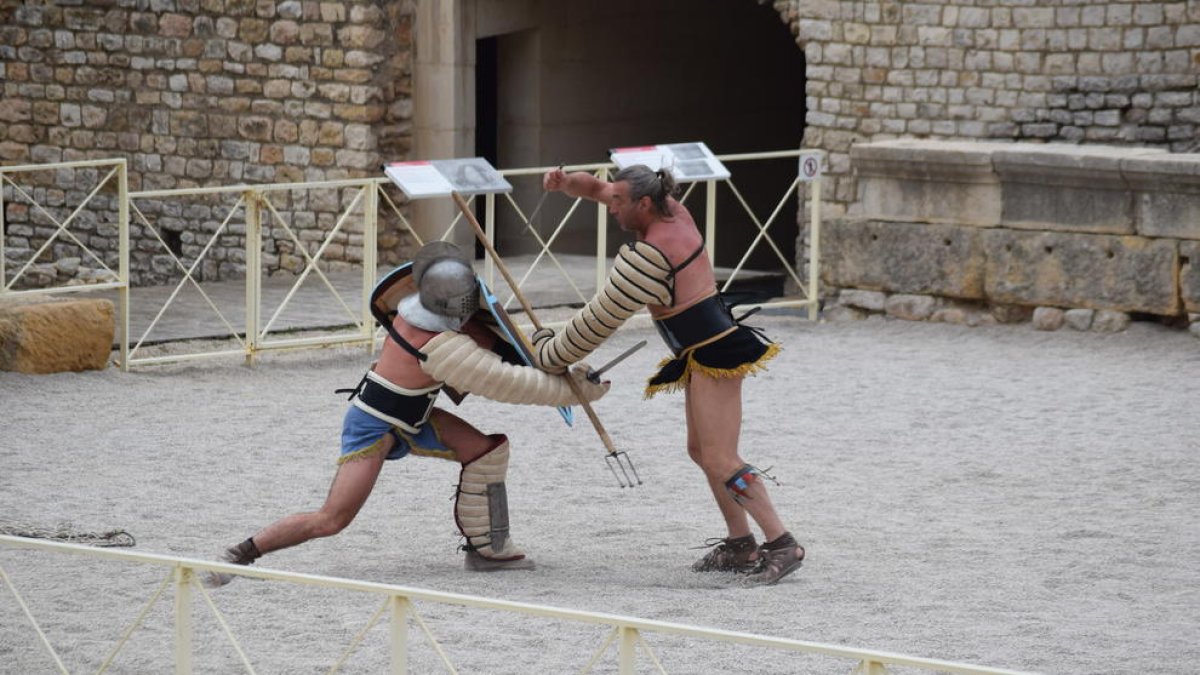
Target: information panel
pixel 439 178
pixel 687 162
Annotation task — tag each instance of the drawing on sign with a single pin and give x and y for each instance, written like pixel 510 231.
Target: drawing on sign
pixel 686 161
pixel 810 166
pixel 421 179
pixel 472 176
pixel 692 168
pixel 687 150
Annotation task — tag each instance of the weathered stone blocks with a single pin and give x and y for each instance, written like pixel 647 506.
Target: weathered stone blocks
pixel 904 258
pixel 1079 318
pixel 1081 270
pixel 1066 187
pixel 51 337
pixel 910 307
pixel 1166 194
pixel 1189 275
pixel 1048 318
pixel 942 182
pixel 1064 226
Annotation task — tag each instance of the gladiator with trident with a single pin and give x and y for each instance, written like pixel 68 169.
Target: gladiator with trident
pixel 666 270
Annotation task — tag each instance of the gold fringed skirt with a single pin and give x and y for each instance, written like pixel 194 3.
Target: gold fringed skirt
pixel 742 352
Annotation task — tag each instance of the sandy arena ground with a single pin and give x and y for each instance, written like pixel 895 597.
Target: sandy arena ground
pixel 994 495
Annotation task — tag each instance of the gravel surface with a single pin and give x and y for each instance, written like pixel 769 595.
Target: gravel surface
pixel 994 495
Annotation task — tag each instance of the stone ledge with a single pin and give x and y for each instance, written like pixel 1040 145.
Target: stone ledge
pixel 1166 194
pixel 1063 187
pixel 927 181
pixel 55 336
pixel 848 305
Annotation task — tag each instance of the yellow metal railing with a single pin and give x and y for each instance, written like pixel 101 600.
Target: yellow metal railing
pixel 399 603
pixel 809 299
pixel 258 209
pixel 111 175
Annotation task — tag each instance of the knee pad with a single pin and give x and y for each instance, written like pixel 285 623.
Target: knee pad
pixel 738 485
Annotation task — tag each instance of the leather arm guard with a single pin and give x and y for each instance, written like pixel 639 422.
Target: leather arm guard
pixel 461 363
pixel 642 275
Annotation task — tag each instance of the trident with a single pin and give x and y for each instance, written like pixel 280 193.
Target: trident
pixel 617 461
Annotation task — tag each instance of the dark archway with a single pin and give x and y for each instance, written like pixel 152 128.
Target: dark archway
pixel 629 73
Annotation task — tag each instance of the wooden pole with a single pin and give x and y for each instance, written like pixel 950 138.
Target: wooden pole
pixel 479 234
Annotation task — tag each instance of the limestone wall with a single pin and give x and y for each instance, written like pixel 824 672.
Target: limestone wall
pixel 217 92
pixel 1116 72
pixel 1022 226
pixel 197 93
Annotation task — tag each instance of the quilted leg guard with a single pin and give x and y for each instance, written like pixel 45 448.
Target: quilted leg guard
pixel 481 512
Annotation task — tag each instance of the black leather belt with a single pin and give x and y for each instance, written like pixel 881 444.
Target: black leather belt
pixel 702 321
pixel 406 409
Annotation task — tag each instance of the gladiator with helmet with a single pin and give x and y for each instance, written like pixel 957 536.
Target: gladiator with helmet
pixel 438 339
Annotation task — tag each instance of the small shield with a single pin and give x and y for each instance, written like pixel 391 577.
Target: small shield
pixel 512 335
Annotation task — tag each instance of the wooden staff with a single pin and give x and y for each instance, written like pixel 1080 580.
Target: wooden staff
pixel 482 236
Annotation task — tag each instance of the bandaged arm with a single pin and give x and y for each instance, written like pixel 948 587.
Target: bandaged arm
pixel 640 276
pixel 459 361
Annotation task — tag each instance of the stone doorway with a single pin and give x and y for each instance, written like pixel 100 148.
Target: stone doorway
pixel 567 80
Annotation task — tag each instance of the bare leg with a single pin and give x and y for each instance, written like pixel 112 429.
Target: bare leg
pixel 349 491
pixel 736 521
pixel 353 484
pixel 467 442
pixel 715 418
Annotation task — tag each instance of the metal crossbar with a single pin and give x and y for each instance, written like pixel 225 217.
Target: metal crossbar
pixel 118 280
pixel 543 250
pixel 188 272
pixel 117 171
pixel 252 203
pixel 310 264
pixel 762 234
pixel 627 631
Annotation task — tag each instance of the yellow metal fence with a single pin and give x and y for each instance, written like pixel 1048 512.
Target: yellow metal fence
pixel 251 210
pixel 400 605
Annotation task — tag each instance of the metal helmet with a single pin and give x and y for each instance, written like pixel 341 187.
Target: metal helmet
pixel 445 280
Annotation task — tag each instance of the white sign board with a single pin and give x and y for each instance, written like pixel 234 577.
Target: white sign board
pixel 418 179
pixel 438 178
pixel 687 162
pixel 811 165
pixel 473 176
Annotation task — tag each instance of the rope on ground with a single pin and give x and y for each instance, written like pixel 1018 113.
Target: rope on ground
pixel 66 532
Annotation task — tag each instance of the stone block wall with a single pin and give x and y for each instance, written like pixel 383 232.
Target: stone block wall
pixel 1115 72
pixel 200 93
pixel 1054 226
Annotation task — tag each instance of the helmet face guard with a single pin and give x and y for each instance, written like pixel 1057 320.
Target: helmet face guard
pixel 447 288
